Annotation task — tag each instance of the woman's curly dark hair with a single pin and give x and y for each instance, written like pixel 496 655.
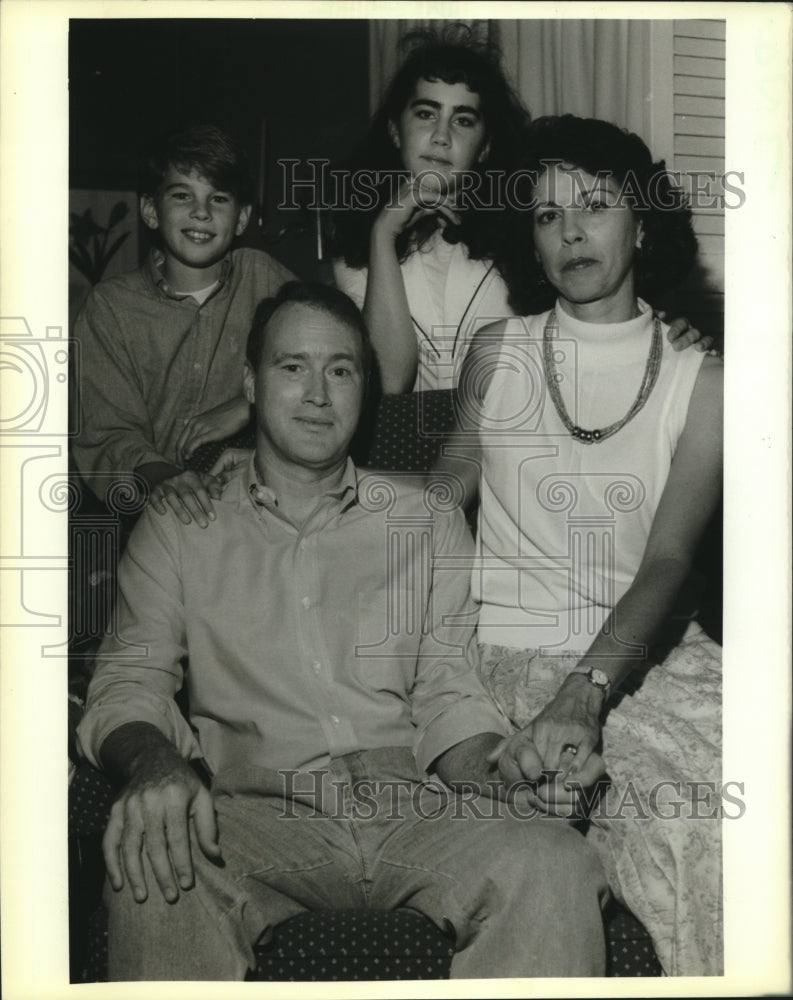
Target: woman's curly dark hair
pixel 453 56
pixel 669 246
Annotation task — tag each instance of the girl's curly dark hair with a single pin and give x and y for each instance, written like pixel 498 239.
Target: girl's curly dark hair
pixel 453 56
pixel 669 247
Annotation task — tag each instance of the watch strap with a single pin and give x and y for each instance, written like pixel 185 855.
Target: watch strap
pixel 598 678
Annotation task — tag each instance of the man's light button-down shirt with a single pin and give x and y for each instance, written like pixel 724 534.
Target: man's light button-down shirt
pixel 263 495
pixel 274 685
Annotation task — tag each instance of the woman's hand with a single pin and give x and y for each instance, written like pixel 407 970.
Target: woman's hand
pixel 567 730
pixel 562 737
pixel 418 197
pixel 214 425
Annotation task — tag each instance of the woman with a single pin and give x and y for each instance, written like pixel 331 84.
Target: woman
pixel 598 453
pixel 424 265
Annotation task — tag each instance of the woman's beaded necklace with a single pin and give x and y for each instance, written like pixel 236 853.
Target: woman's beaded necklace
pixel 552 380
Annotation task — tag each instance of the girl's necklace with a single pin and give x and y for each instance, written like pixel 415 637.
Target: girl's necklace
pixel 552 380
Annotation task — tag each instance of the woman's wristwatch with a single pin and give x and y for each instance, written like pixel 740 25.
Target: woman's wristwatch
pixel 595 676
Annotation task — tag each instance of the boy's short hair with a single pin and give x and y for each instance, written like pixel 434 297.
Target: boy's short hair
pixel 205 149
pixel 318 296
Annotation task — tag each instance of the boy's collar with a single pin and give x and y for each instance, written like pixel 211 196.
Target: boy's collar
pixel 154 268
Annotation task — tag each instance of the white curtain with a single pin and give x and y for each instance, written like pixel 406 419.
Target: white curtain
pixel 596 69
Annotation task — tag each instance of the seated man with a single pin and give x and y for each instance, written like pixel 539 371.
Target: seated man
pixel 162 348
pixel 328 624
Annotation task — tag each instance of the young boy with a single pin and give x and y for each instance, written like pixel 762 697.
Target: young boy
pixel 162 348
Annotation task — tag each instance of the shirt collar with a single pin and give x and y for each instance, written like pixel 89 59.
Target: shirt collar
pixel 259 495
pixel 154 270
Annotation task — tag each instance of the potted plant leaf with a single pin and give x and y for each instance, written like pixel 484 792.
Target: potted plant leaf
pixel 90 245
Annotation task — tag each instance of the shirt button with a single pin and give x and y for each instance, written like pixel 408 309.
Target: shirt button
pixel 306 602
pixel 317 666
pixel 197 365
pixel 334 719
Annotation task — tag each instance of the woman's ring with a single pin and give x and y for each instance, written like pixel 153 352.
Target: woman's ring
pixel 570 748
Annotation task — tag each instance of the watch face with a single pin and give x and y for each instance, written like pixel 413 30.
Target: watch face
pixel 599 677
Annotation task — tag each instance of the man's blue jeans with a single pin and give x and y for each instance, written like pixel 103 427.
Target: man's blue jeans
pixel 521 895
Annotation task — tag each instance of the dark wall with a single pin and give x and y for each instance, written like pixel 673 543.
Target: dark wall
pixel 131 79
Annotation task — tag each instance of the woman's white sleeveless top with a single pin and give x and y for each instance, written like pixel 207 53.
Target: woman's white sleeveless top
pixel 563 525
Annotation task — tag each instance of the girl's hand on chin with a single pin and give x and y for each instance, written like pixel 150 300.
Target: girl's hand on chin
pixel 418 197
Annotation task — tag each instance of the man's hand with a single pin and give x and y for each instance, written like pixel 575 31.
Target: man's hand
pixel 682 335
pixel 163 799
pixel 216 424
pixel 189 495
